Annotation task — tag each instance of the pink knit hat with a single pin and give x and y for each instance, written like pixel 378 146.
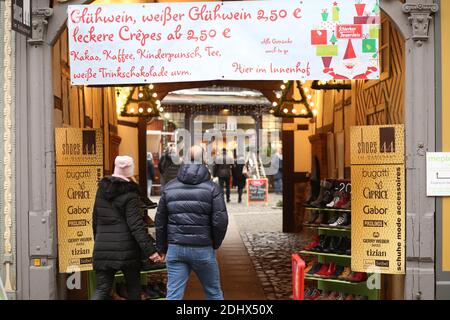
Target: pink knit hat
pixel 123 167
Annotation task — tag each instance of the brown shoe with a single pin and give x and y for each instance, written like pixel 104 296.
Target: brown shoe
pixel 310 265
pixel 345 274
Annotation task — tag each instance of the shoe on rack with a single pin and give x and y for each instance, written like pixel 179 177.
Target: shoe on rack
pixel 357 277
pixel 331 270
pixel 314 243
pixel 345 273
pixel 315 294
pixel 316 267
pixel 348 250
pixel 324 243
pixel 333 295
pixel 307 293
pixel 325 189
pixel 323 296
pixel 338 271
pixel 339 221
pixel 335 245
pixel 309 265
pixel 314 192
pixel 115 296
pixel 320 219
pixel 341 296
pixel 121 290
pixel 348 205
pixel 344 198
pixel 359 297
pixel 314 214
pixel 345 247
pixel 332 218
pixel 350 297
pixel 331 244
pixel 322 271
pixel 151 292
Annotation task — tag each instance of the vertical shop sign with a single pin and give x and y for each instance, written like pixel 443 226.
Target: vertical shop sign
pixel 378 198
pixel 79 168
pixel 21 16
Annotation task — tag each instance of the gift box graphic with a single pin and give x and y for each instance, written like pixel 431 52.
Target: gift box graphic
pixel 366 20
pixel 327 51
pixel 369 45
pixel 318 37
pixel 374 32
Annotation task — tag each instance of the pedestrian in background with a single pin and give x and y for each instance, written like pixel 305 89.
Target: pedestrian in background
pixel 240 174
pixel 222 170
pixel 150 173
pixel 191 222
pixel 168 165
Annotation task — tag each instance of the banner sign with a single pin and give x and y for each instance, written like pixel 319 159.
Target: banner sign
pixel 239 40
pixel 257 190
pixel 79 168
pixel 438 174
pixel 378 199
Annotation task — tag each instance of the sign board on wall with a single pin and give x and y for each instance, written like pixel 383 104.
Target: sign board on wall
pixel 257 191
pixel 239 40
pixel 79 168
pixel 438 174
pixel 378 199
pixel 21 16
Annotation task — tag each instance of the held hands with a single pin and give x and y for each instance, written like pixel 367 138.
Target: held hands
pixel 158 258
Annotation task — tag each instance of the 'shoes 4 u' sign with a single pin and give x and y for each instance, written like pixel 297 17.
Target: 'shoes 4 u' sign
pixel 245 40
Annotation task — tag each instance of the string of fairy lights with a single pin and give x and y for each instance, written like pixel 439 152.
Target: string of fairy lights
pixel 295 99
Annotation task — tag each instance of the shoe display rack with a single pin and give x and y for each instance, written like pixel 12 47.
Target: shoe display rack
pixel 328 274
pixel 150 289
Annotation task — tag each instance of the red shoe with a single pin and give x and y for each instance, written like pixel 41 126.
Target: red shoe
pixel 314 243
pixel 358 277
pixel 322 271
pixel 350 297
pixel 331 270
pixel 315 294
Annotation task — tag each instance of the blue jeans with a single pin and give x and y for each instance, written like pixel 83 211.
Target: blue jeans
pixel 278 185
pixel 181 260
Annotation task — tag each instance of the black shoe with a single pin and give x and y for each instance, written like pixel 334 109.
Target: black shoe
pixel 333 216
pixel 344 248
pixel 228 200
pixel 331 244
pixel 334 246
pixel 324 243
pixel 151 292
pixel 315 191
pixel 324 196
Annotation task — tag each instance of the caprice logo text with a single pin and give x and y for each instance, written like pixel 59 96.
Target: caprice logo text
pixel 247 143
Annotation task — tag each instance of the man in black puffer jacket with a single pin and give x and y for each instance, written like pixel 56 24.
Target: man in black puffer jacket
pixel 120 235
pixel 191 222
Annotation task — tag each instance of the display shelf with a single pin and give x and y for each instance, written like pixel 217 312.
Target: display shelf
pixel 307 277
pixel 328 209
pixel 120 274
pixel 323 254
pixel 327 228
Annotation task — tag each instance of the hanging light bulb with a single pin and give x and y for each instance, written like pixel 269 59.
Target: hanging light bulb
pixel 132 110
pixel 312 104
pixel 154 95
pixel 274 103
pixel 314 112
pixel 309 97
pixel 285 81
pixel 283 87
pixel 149 110
pixel 167 116
pixel 141 110
pixel 303 111
pixel 161 109
pixel 158 102
pixel 302 81
pixel 285 110
pixel 278 95
pixel 140 95
pixel 306 90
pixel 294 110
pixel 271 111
pixel 151 86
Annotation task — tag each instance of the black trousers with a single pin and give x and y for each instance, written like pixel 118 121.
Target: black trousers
pixel 240 190
pixel 105 280
pixel 225 181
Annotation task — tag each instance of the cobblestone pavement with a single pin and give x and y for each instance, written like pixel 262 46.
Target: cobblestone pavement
pixel 271 253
